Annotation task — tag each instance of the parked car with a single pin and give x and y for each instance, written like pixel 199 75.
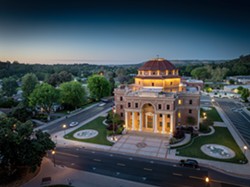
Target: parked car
pixel 189 163
pixel 74 123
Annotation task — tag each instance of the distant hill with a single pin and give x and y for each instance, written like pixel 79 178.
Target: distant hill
pixel 238 66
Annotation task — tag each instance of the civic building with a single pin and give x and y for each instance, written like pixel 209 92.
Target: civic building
pixel 158 101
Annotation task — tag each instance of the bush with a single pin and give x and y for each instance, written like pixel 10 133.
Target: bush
pixel 119 130
pixel 110 127
pixel 8 102
pixel 179 134
pixel 204 128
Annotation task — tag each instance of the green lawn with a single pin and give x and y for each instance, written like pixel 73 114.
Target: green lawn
pixel 221 136
pixel 96 124
pixel 211 114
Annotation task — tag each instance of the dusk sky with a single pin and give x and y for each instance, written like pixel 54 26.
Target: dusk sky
pixel 118 32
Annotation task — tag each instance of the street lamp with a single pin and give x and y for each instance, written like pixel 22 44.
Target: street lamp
pixel 207 180
pixel 64 127
pixel 54 158
pixel 114 111
pixel 245 149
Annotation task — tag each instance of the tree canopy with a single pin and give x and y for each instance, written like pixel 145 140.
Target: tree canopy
pixel 72 94
pixel 9 86
pixel 44 96
pixel 20 146
pixel 98 86
pixel 58 78
pixel 29 82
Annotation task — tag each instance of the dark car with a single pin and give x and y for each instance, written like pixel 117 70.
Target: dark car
pixel 189 163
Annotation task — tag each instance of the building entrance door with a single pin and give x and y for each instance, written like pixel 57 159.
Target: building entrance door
pixel 149 121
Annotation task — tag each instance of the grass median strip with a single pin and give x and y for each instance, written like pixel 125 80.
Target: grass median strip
pixel 97 125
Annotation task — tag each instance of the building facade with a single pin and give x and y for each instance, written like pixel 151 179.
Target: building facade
pixel 158 101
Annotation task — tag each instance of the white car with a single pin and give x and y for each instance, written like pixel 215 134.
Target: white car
pixel 74 123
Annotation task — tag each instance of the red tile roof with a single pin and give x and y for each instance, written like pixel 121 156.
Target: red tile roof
pixel 157 64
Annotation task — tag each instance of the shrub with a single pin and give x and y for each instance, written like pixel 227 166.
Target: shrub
pixel 204 128
pixel 119 130
pixel 179 134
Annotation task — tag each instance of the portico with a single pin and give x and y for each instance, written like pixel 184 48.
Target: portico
pixel 155 122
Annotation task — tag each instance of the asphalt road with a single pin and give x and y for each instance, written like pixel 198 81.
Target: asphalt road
pixel 80 117
pixel 143 170
pixel 239 118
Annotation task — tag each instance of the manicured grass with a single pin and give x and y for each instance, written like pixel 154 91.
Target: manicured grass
pixel 96 124
pixel 222 137
pixel 211 114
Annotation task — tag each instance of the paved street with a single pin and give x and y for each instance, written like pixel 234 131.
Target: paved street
pixel 79 117
pixel 238 117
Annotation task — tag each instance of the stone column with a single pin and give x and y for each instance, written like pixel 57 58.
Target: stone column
pixel 140 127
pixel 171 123
pixel 133 121
pixel 163 124
pixel 126 119
pixel 155 124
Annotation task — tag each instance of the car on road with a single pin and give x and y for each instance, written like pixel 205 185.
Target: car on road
pixel 74 123
pixel 102 104
pixel 189 163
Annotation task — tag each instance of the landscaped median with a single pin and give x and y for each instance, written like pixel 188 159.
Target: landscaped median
pixel 222 137
pixel 96 124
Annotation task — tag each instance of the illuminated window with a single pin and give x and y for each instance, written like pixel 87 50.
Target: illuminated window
pixel 179 115
pixel 179 101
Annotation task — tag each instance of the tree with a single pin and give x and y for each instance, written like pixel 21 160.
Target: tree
pixel 98 86
pixel 58 78
pixel 200 73
pixel 9 86
pixel 191 120
pixel 245 94
pixel 29 82
pixel 44 96
pixel 72 94
pixel 20 146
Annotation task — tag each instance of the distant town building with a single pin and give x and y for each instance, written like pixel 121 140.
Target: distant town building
pixel 241 79
pixel 233 88
pixel 159 100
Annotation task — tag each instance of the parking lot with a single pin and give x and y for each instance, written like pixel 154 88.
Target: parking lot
pixel 239 118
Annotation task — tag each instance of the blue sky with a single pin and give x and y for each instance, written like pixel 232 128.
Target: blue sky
pixel 118 32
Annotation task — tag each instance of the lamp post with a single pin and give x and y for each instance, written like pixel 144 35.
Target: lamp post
pixel 54 158
pixel 207 181
pixel 114 110
pixel 245 149
pixel 64 127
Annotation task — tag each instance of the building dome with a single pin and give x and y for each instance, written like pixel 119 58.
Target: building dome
pixel 157 64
